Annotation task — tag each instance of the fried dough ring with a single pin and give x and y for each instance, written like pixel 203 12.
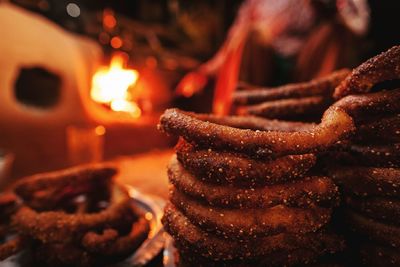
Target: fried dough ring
pixel 96 249
pixel 378 155
pixel 336 124
pixel 291 108
pixel 364 106
pixel 64 254
pixel 383 67
pixel 257 123
pixel 384 209
pixel 58 226
pixel 250 223
pixel 302 193
pixel 321 86
pixel 121 245
pixel 8 206
pixel 278 258
pixel 88 236
pixel 375 231
pixel 379 130
pixel 94 242
pixel 125 245
pixel 374 181
pixel 374 255
pixel 190 237
pixel 233 168
pixel 46 190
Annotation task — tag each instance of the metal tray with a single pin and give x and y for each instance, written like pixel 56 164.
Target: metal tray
pixel 169 252
pixel 152 207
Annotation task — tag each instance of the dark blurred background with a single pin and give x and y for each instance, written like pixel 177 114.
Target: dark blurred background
pixel 194 29
pixel 177 36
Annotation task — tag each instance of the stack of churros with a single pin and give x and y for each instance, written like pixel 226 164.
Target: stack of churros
pixel 305 101
pixel 242 196
pixel 245 190
pixel 369 165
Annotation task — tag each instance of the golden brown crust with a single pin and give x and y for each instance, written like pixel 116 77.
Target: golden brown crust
pixel 58 226
pixel 363 106
pixel 230 202
pixel 383 67
pixel 289 109
pixel 121 245
pixel 46 190
pixel 94 242
pixel 92 251
pixel 301 256
pixel 336 124
pixel 89 221
pixel 379 130
pixel 322 86
pixel 233 168
pixel 257 123
pixel 190 237
pixel 374 181
pixel 251 223
pixel 302 193
pixel 376 155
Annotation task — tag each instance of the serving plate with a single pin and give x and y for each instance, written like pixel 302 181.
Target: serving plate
pixel 152 207
pixel 169 252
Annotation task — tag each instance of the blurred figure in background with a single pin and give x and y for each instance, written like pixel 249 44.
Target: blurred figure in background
pixel 273 42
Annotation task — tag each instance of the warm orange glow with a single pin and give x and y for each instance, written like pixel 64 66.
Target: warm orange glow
pixel 126 106
pixel 192 83
pixel 151 62
pixel 100 130
pixel 188 90
pixel 148 216
pixel 109 21
pixel 110 85
pixel 116 42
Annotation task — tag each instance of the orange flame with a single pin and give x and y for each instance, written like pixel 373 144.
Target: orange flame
pixel 110 86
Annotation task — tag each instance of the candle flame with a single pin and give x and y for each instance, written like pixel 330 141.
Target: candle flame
pixel 110 86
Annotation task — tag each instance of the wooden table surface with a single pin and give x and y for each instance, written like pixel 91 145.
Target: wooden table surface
pixel 147 172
